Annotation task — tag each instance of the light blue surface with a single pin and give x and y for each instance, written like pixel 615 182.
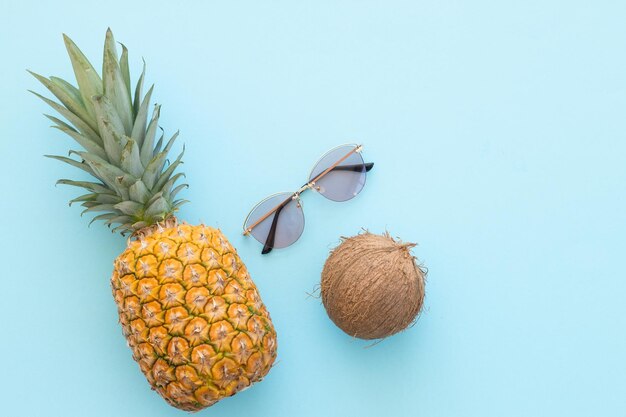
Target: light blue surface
pixel 498 130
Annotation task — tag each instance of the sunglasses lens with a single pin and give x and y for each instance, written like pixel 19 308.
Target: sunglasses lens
pixel 345 180
pixel 281 228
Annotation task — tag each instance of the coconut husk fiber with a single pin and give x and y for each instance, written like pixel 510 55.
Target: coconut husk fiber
pixel 372 286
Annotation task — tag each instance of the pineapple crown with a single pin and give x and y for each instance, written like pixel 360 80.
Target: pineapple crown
pixel 135 183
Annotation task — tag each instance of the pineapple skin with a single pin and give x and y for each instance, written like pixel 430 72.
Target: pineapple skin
pixel 192 315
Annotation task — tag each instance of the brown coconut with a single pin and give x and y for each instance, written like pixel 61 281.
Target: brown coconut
pixel 372 286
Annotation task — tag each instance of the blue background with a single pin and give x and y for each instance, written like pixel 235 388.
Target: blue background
pixel 498 130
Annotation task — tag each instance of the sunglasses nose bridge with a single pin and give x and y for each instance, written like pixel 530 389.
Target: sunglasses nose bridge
pixel 296 198
pixel 296 195
pixel 308 185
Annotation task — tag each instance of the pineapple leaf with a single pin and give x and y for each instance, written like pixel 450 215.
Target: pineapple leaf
pixel 114 85
pixel 84 197
pixel 178 203
pixel 125 68
pixel 169 171
pixel 69 89
pixel 105 216
pixel 130 161
pixel 147 147
pixel 62 124
pixel 141 120
pixel 89 204
pixel 108 198
pixel 87 144
pixel 91 186
pixel 111 175
pixel 139 192
pixel 154 198
pixel 167 187
pixel 170 142
pixel 111 128
pixel 139 225
pixel 178 189
pixel 123 229
pixel 98 207
pixel 135 182
pixel 157 147
pixel 161 157
pixel 67 99
pixel 131 208
pixel 123 219
pixel 138 91
pixel 89 82
pixel 158 209
pixel 72 162
pixel 82 127
pixel 152 170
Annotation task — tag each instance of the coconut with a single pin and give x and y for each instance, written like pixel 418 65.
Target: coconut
pixel 372 286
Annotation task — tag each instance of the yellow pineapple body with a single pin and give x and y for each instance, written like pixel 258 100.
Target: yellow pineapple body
pixel 192 315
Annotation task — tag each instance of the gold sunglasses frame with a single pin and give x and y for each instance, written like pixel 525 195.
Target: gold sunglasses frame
pixel 309 185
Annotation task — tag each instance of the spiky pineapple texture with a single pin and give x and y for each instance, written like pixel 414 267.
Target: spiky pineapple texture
pixel 134 186
pixel 192 315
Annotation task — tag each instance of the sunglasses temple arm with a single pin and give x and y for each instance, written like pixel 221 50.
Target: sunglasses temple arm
pixel 355 167
pixel 269 242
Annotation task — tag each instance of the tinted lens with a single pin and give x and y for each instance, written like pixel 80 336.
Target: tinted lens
pixel 345 180
pixel 281 228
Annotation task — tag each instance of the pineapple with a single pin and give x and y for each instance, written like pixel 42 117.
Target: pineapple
pixel 189 310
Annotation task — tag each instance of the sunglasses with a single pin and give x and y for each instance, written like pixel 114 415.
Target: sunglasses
pixel 278 221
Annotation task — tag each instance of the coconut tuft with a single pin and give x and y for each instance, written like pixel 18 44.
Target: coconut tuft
pixel 372 286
